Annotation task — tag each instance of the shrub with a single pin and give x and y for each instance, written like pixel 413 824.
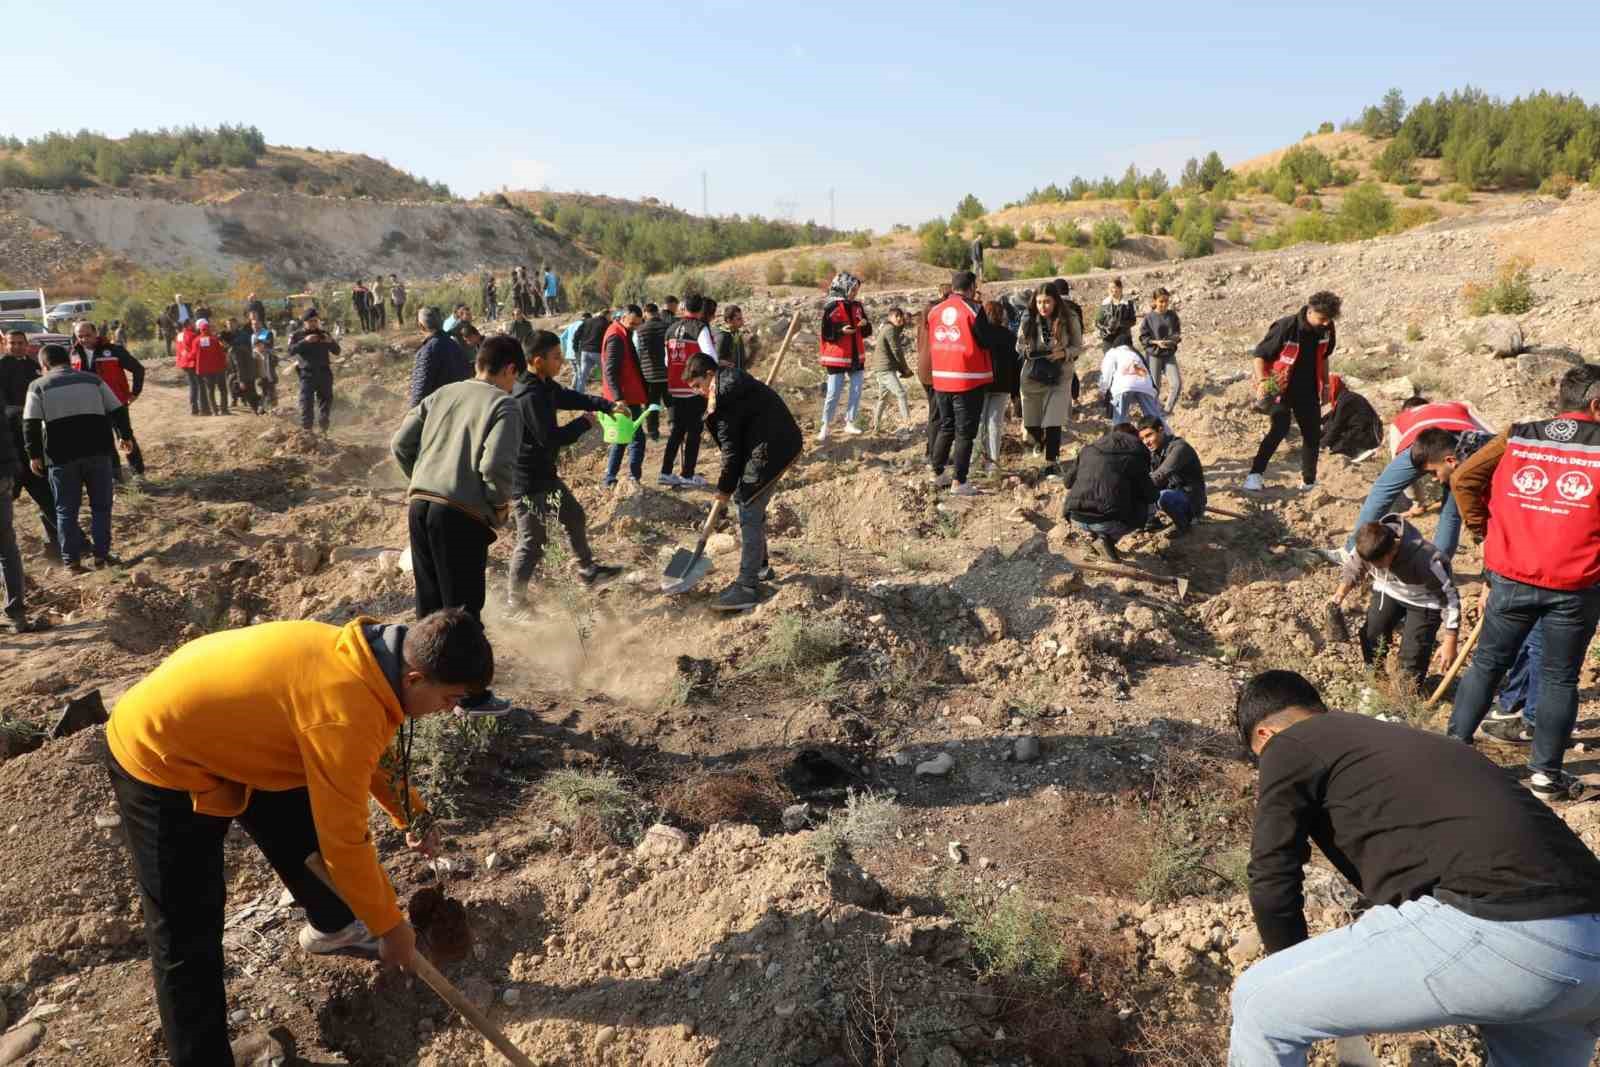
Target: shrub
pixel 1456 194
pixel 795 643
pixel 1099 255
pixel 1326 127
pixel 873 267
pixel 941 247
pixel 1395 162
pixel 1557 185
pixel 1074 263
pixel 1366 211
pixel 1343 176
pixel 825 272
pixel 1166 213
pixel 970 207
pixel 1412 190
pixel 775 271
pixel 1307 166
pixel 1026 233
pixel 1314 226
pixel 991 269
pixel 443 750
pixel 1196 229
pixel 802 271
pixel 1307 202
pixel 1013 937
pixel 1143 220
pixel 1108 232
pixel 1284 189
pixel 1235 232
pixel 1005 237
pixel 1412 215
pixel 866 821
pixel 1511 292
pixel 596 797
pixel 1070 234
pixel 860 240
pixel 1040 266
pixel 1413 332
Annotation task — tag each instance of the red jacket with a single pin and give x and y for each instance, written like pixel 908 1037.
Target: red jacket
pixel 210 355
pixel 959 364
pixel 1445 415
pixel 183 355
pixel 1544 516
pixel 112 363
pixel 620 376
pixel 837 350
pixel 683 342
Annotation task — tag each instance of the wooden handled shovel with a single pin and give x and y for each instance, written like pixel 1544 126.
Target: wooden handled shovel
pixel 783 349
pixel 1461 657
pixel 442 986
pixel 685 569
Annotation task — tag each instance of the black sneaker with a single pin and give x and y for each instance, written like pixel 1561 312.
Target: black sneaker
pixel 1558 786
pixel 1512 731
pixel 484 705
pixel 766 573
pixel 75 567
pixel 1101 545
pixel 737 597
pixel 102 562
pixel 596 572
pixel 21 624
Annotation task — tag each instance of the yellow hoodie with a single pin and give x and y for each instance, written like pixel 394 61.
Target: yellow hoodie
pixel 283 705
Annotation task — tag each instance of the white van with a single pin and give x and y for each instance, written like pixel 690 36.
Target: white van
pixel 26 304
pixel 65 314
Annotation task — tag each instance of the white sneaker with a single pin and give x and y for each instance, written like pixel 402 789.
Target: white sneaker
pixel 698 481
pixel 1253 483
pixel 353 938
pixel 965 489
pixel 852 428
pixel 669 480
pixel 822 434
pixel 1306 487
pixel 1363 457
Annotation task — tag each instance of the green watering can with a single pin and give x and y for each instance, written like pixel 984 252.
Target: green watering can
pixel 619 429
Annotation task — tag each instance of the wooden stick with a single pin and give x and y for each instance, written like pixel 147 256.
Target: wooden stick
pixel 1212 509
pixel 1461 657
pixel 441 985
pixel 1123 572
pixel 783 349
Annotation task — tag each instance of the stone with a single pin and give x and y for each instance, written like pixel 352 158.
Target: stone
pixel 1245 949
pixel 1062 584
pixel 1025 749
pixel 849 884
pixel 785 1009
pixel 945 1056
pixel 1140 617
pixel 937 767
pixel 956 852
pixel 796 817
pixel 971 720
pixel 992 622
pixel 389 561
pixel 1501 335
pixel 511 997
pixel 605 1036
pixel 1547 364
pixel 305 557
pixel 140 579
pixel 662 841
pixel 721 543
pixel 108 820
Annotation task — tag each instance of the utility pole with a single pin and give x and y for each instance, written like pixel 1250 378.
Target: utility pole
pixel 831 220
pixel 705 208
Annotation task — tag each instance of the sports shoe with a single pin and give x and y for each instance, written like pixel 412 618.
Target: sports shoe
pixel 852 429
pixel 1364 456
pixel 1558 786
pixel 594 572
pixel 737 597
pixel 1306 487
pixel 1101 545
pixel 75 567
pixel 1499 714
pixel 1335 556
pixel 1253 483
pixel 694 481
pixel 668 479
pixel 766 573
pixel 102 562
pixel 943 480
pixel 1513 731
pixel 965 489
pixel 353 938
pixel 484 705
pixel 21 624
pixel 822 434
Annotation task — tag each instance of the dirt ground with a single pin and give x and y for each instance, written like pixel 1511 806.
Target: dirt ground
pixel 1068 891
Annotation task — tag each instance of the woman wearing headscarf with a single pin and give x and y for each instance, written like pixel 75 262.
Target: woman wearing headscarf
pixel 842 350
pixel 1049 339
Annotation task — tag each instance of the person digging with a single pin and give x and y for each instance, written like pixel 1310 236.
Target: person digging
pixel 289 741
pixel 759 438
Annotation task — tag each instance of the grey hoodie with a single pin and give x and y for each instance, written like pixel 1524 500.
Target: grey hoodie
pixel 1420 575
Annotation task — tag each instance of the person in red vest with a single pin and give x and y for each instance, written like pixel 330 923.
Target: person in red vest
pixel 1291 382
pixel 959 341
pixel 211 366
pixel 687 336
pixel 1469 431
pixel 183 358
pixel 622 382
pixel 114 364
pixel 1529 496
pixel 842 350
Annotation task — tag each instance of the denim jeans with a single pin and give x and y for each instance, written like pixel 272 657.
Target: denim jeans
pixel 10 555
pixel 889 386
pixel 753 535
pixel 1165 366
pixel 1567 619
pixel 830 400
pixel 68 482
pixel 1176 502
pixel 1125 404
pixel 634 449
pixel 1532 987
pixel 1396 478
pixel 992 424
pixel 1115 529
pixel 1521 687
pixel 583 370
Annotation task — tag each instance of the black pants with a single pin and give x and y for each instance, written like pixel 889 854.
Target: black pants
pixel 1306 409
pixel 449 558
pixel 216 389
pixel 533 518
pixel 959 414
pixel 38 487
pixel 655 393
pixel 1049 438
pixel 376 314
pixel 364 313
pixel 688 415
pixel 199 399
pixel 933 419
pixel 177 861
pixel 1419 627
pixel 316 386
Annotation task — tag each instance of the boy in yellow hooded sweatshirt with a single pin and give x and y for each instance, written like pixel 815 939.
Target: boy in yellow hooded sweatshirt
pixel 290 740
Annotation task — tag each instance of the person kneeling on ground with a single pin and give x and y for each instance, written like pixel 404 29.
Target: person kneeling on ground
pixel 536 486
pixel 1411 582
pixel 292 754
pixel 1109 492
pixel 1485 904
pixel 1351 427
pixel 1179 479
pixel 759 439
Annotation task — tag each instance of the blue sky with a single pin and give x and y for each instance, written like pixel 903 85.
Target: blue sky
pixel 899 107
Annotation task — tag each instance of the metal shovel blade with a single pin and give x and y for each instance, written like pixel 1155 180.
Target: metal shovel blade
pixel 672 583
pixel 1183 588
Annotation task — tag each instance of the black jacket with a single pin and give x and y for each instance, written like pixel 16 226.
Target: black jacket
pixel 441 361
pixel 313 350
pixel 588 337
pixel 651 341
pixel 543 437
pixel 1352 427
pixel 1160 326
pixel 1404 813
pixel 1177 466
pixel 755 431
pixel 1005 361
pixel 1109 480
pixel 1295 329
pixel 10 453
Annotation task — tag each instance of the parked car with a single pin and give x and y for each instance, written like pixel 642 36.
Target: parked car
pixel 65 314
pixel 38 336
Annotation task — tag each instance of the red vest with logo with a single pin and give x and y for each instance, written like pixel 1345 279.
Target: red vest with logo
pixel 102 360
pixel 959 364
pixel 1544 514
pixel 683 341
pixel 846 350
pixel 630 378
pixel 1290 354
pixel 1446 415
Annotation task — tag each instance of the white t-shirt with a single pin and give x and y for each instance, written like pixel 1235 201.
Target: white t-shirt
pixel 1123 371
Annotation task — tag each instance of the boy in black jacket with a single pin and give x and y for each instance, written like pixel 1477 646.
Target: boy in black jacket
pixel 537 486
pixel 1109 492
pixel 1291 365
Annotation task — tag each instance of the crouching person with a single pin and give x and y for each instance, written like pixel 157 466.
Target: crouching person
pixel 1109 492
pixel 759 439
pixel 292 755
pixel 1413 589
pixel 1179 478
pixel 1485 904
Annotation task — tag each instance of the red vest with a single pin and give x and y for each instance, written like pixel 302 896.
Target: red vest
pixel 1445 415
pixel 683 341
pixel 210 354
pixel 630 378
pixel 959 365
pixel 1544 514
pixel 1290 353
pixel 102 360
pixel 845 351
pixel 183 355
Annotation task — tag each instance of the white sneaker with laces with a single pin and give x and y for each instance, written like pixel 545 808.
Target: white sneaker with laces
pixel 353 938
pixel 669 480
pixel 852 428
pixel 698 481
pixel 1253 483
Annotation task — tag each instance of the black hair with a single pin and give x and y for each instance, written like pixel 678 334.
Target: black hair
pixel 698 366
pixel 450 647
pixel 1150 422
pixel 731 312
pixel 694 303
pixel 670 300
pixel 499 352
pixel 1325 303
pixel 633 309
pixel 1269 693
pixel 1059 287
pixel 709 307
pixel 23 332
pixel 1431 446
pixel 1578 386
pixel 1374 540
pixel 651 309
pixel 1414 402
pixel 1122 427
pixel 541 342
pixel 468 330
pixel 55 355
pixel 962 280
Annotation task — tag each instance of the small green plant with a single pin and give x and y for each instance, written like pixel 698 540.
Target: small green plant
pixel 1235 233
pixel 1511 292
pixel 1456 194
pixel 913 557
pixel 991 270
pixel 1412 191
pixel 861 240
pixel 18 736
pixel 1075 263
pixel 802 271
pixel 1012 937
pixel 1040 266
pixel 1108 232
pixel 1413 332
pixel 1188 857
pixel 1557 185
pixel 1099 255
pixel 873 268
pixel 1005 237
pixel 1069 234
pixel 443 750
pixel 796 643
pixel 1413 215
pixel 1284 189
pixel 1026 233
pixel 775 271
pixel 867 820
pixel 1143 220
pixel 573 794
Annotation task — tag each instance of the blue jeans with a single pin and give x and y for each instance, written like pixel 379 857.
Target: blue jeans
pixel 1125 404
pixel 1396 478
pixel 1521 687
pixel 68 481
pixel 830 401
pixel 584 370
pixel 1176 502
pixel 1114 529
pixel 635 450
pixel 1567 619
pixel 1532 988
